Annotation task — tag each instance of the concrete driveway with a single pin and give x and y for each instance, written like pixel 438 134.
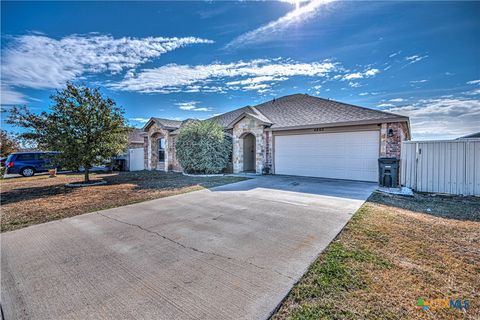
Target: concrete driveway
pixel 232 252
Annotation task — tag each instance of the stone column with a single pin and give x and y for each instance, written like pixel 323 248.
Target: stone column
pixel 146 161
pixel 237 155
pixel 259 153
pixel 149 154
pixel 166 162
pixel 383 140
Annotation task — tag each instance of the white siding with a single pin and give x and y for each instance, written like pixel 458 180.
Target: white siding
pixel 442 166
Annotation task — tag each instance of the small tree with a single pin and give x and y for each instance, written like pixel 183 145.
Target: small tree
pixel 85 127
pixel 8 144
pixel 203 147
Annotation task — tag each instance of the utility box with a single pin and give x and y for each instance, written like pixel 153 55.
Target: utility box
pixel 388 172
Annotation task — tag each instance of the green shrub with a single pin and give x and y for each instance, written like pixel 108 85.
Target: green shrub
pixel 203 148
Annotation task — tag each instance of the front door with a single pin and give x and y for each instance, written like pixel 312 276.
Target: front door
pixel 249 152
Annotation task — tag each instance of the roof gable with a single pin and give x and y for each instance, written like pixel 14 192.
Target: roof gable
pixel 253 113
pixel 166 124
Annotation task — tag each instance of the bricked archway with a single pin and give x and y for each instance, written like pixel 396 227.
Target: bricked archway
pixel 156 163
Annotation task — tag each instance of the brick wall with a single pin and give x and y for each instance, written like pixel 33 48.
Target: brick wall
pixel 244 126
pixel 173 163
pixel 267 156
pixel 392 135
pixel 155 133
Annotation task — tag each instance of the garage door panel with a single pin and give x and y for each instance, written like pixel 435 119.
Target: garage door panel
pixel 345 155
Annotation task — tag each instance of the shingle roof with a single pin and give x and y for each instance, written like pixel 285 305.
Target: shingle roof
pixel 303 110
pixel 168 123
pixel 299 110
pixel 164 123
pixel 136 135
pixel 471 136
pixel 250 112
pixel 225 118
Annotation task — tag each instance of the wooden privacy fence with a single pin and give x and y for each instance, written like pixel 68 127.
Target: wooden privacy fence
pixel 441 166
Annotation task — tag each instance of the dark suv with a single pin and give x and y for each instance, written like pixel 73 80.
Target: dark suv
pixel 29 163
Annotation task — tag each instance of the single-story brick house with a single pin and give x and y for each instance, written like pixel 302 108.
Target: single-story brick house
pixel 297 134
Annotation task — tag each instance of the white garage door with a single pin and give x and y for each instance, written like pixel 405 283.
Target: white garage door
pixel 344 155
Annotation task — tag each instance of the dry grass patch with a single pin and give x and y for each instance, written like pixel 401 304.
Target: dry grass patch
pixel 388 256
pixel 27 201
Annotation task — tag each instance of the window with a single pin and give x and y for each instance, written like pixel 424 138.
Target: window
pixel 161 150
pixel 26 157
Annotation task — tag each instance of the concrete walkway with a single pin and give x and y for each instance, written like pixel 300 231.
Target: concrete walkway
pixel 232 252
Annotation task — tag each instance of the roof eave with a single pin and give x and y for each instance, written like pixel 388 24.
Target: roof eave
pixel 344 124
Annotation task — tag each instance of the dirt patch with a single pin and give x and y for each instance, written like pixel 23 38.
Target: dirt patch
pixel 388 257
pixel 27 201
pixel 452 207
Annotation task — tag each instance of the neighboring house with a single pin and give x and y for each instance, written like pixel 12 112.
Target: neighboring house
pixel 475 135
pixel 133 157
pixel 294 135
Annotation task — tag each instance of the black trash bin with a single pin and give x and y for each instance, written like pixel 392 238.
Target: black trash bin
pixel 119 165
pixel 388 172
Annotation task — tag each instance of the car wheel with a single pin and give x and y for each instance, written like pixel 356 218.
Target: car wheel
pixel 27 172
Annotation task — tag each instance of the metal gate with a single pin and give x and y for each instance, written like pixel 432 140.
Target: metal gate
pixel 450 166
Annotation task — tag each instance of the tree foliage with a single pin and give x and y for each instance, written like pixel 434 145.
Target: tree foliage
pixel 85 127
pixel 202 147
pixel 8 143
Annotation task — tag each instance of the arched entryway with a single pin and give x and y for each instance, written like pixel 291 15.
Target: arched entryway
pixel 158 151
pixel 249 153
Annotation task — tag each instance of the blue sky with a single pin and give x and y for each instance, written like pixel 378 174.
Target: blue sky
pixel 197 59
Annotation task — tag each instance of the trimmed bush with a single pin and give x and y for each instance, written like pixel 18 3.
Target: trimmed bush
pixel 203 148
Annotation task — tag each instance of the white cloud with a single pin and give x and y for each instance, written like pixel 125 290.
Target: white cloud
pixel 472 92
pixel 418 81
pixel 415 58
pixel 396 100
pixel 394 54
pixel 351 76
pixel 385 105
pixel 274 28
pixel 258 86
pixel 442 118
pixel 202 109
pixel 191 106
pixel 371 72
pixel 354 84
pixel 364 93
pixel 256 80
pixel 202 78
pixel 474 82
pixel 141 120
pixel 40 62
pixel 360 75
pixel 9 96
